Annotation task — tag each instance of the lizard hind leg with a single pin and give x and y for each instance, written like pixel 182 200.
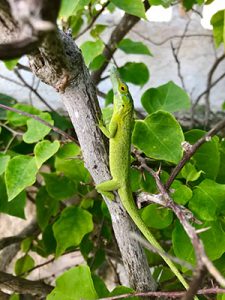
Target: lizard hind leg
pixel 107 187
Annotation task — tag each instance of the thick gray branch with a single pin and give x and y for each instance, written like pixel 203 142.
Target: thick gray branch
pixel 23 286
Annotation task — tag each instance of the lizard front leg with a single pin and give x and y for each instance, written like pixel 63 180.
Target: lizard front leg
pixel 107 187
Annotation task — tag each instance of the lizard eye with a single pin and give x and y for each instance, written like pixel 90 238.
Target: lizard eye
pixel 123 88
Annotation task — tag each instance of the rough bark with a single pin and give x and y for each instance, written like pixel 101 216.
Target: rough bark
pixel 59 63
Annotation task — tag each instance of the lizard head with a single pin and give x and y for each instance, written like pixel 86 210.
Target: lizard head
pixel 120 89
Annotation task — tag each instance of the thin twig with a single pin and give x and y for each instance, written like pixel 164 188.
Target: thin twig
pixel 33 90
pixel 209 82
pixel 175 294
pixel 191 151
pixel 10 129
pixel 56 129
pixel 175 55
pixel 210 85
pixel 93 20
pixel 169 38
pixel 38 266
pixel 11 80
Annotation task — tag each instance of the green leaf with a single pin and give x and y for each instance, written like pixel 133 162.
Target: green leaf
pixel 97 30
pixel 163 217
pixel 208 200
pixel 136 73
pixel 164 3
pixel 74 284
pixel 217 21
pixel 182 246
pixel 159 136
pixel 46 207
pixel 61 122
pixel 97 62
pixel 4 159
pixel 20 173
pixel 36 130
pixel 221 174
pixel 91 49
pixel 7 100
pixel 69 150
pixel 49 241
pixel 24 264
pixel 14 297
pixel 11 63
pixel 190 173
pixel 132 47
pixel 44 150
pixel 120 290
pixel 100 286
pixel 207 157
pixel 71 227
pixel 168 97
pixel 70 7
pixel 213 240
pixel 18 120
pixel 73 169
pixel 182 194
pixel 109 97
pixel 26 244
pixel 188 4
pixel 14 207
pixel 134 7
pixel 59 186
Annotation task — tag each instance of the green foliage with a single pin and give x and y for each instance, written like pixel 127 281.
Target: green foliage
pixel 217 21
pixel 24 264
pixel 91 50
pixel 18 120
pixel 132 47
pixel 59 187
pixel 74 284
pixel 136 73
pixel 10 64
pixel 134 7
pixel 163 217
pixel 207 158
pixel 36 131
pixel 168 97
pixel 20 173
pixel 44 150
pixel 71 7
pixel 159 136
pixel 71 227
pixel 208 200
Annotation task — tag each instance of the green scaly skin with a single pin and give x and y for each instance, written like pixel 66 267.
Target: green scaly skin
pixel 119 133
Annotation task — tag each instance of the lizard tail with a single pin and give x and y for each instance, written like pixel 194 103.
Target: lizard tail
pixel 128 203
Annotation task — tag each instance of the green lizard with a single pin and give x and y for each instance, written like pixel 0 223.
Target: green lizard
pixel 119 133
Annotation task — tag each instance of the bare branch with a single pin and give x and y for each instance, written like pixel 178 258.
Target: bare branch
pixel 167 295
pixel 170 38
pixel 93 20
pixel 23 286
pixel 33 90
pixel 210 85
